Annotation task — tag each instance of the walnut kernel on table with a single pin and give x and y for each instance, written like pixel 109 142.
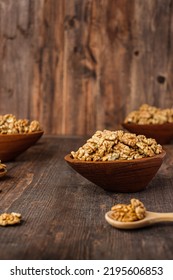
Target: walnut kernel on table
pixel 109 145
pixel 10 219
pixel 129 213
pixel 10 125
pixel 3 169
pixel 147 114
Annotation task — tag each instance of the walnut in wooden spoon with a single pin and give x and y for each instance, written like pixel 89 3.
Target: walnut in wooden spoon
pixel 134 215
pixel 150 219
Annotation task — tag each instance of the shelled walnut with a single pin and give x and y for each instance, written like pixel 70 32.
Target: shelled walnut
pixel 10 125
pixel 109 145
pixel 147 114
pixel 129 213
pixel 10 219
pixel 3 169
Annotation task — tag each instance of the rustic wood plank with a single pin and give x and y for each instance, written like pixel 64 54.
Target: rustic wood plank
pixel 63 213
pixel 78 66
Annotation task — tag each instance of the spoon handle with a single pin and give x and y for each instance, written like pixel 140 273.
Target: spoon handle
pixel 162 217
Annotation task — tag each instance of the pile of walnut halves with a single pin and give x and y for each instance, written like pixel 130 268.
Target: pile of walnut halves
pixel 109 145
pixel 147 114
pixel 10 125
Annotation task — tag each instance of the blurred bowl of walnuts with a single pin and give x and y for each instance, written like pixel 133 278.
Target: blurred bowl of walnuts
pixel 151 121
pixel 16 136
pixel 118 161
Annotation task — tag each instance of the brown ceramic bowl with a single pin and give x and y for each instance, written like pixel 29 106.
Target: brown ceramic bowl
pixel 12 145
pixel 120 175
pixel 162 133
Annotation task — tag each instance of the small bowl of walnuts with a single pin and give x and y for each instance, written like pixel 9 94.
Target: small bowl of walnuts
pixel 16 136
pixel 152 122
pixel 118 161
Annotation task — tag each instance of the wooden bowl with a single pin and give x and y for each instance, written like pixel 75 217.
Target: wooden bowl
pixel 162 133
pixel 12 145
pixel 120 175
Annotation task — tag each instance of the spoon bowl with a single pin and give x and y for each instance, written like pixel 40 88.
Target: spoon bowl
pixel 150 219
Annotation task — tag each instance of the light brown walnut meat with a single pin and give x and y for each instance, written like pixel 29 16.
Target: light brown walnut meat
pixel 129 213
pixel 124 213
pixel 138 207
pixel 3 169
pixel 116 145
pixel 34 126
pixel 10 125
pixel 147 114
pixel 10 219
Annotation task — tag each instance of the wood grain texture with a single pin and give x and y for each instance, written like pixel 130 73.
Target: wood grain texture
pixel 82 65
pixel 63 213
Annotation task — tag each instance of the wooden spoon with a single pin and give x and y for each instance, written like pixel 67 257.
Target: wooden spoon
pixel 150 219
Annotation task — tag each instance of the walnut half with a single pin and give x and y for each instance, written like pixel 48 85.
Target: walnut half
pixel 10 219
pixel 3 169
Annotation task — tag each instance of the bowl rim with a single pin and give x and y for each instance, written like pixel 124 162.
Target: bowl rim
pixel 68 158
pixel 21 134
pixel 149 124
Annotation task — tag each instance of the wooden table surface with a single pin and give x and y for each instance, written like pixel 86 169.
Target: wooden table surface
pixel 63 213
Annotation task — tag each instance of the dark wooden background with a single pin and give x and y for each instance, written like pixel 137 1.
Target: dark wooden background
pixel 82 65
